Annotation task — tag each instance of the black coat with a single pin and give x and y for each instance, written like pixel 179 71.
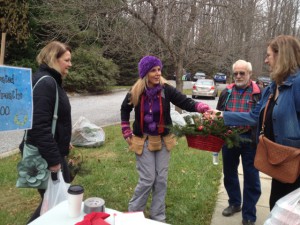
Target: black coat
pixel 169 95
pixel 44 96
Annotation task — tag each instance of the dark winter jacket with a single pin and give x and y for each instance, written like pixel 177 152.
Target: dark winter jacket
pixel 44 96
pixel 169 95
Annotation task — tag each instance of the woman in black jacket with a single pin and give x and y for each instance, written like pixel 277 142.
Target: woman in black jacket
pixel 150 97
pixel 54 60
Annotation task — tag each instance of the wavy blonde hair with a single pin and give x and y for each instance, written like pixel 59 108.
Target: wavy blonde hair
pixel 287 52
pixel 139 87
pixel 51 52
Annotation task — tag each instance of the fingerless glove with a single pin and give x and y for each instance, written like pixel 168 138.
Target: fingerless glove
pixel 126 131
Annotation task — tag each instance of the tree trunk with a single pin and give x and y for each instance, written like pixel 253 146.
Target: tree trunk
pixel 2 48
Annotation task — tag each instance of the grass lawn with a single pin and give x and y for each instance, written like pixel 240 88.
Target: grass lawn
pixel 109 172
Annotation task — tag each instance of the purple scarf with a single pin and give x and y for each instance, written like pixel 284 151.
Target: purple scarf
pixel 152 106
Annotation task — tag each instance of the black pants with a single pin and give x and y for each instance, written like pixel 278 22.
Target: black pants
pixel 278 190
pixel 66 175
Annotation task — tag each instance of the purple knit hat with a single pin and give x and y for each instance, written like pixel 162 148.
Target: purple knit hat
pixel 147 63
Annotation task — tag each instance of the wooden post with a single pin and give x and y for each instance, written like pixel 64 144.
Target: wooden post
pixel 2 48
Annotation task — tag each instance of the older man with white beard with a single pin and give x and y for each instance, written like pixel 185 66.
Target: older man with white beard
pixel 241 96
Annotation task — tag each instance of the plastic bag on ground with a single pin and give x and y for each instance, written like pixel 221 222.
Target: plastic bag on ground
pixel 286 210
pixel 177 118
pixel 56 192
pixel 188 116
pixel 86 134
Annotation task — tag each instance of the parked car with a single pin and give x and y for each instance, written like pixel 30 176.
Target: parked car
pixel 220 78
pixel 199 75
pixel 264 81
pixel 188 76
pixel 204 87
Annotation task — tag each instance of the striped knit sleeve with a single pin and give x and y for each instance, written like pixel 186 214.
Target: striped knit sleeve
pixel 126 131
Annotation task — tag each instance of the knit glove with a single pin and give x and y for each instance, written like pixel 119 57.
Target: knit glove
pixel 201 107
pixel 126 131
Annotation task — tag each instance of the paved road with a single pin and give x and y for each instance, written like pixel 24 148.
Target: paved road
pixel 99 109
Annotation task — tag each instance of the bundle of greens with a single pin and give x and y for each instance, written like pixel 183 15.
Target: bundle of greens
pixel 197 124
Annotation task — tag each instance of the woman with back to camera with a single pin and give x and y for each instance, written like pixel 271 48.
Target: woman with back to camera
pixel 150 97
pixel 282 123
pixel 54 60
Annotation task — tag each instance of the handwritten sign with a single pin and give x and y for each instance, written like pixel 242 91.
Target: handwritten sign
pixel 15 98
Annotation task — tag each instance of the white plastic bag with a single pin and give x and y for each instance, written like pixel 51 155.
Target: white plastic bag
pixel 86 134
pixel 177 118
pixel 286 210
pixel 56 192
pixel 188 116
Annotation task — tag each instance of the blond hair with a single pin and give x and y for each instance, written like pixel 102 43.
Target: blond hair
pixel 139 87
pixel 51 52
pixel 287 51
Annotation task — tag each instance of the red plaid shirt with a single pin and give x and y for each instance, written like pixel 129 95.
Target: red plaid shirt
pixel 241 100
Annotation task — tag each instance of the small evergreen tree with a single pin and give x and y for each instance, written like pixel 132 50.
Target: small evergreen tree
pixel 91 71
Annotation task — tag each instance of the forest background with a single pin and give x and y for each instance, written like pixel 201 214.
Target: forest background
pixel 108 37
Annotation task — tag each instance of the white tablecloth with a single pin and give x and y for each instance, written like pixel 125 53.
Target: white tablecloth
pixel 59 216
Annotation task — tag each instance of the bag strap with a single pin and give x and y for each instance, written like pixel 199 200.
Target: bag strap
pixel 54 120
pixel 265 113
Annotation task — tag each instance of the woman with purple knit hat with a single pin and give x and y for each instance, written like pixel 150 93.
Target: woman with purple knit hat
pixel 150 97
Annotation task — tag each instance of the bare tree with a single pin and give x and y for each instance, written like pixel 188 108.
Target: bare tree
pixel 192 34
pixel 170 22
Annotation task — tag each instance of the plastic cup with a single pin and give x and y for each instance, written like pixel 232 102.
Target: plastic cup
pixel 75 197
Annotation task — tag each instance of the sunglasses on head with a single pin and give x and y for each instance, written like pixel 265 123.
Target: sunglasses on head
pixel 242 73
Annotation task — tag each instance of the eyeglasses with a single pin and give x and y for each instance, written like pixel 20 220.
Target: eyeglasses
pixel 242 73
